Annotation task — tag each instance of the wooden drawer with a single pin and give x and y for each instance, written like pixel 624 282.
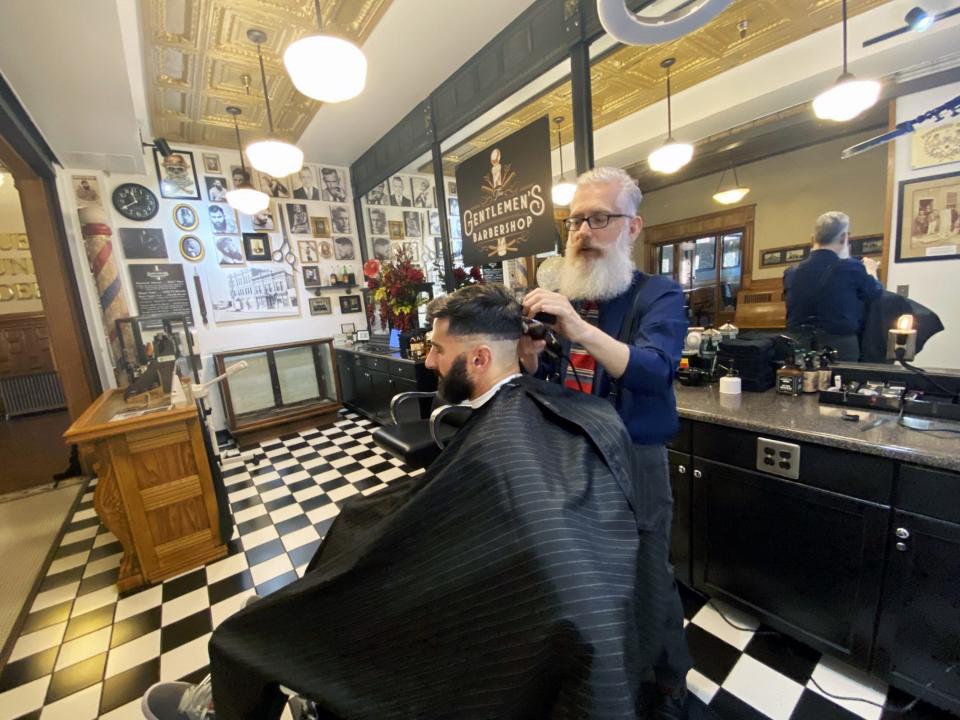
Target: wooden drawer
pixel 374 363
pixel 403 370
pixel 934 493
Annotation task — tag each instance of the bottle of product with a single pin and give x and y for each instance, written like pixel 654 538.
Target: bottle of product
pixel 790 378
pixel 824 372
pixel 811 375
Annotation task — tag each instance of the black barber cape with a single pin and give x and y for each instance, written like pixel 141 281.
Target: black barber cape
pixel 518 577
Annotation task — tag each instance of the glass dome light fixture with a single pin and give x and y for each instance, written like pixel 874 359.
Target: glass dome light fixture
pixel 672 155
pixel 848 97
pixel 563 191
pixel 326 68
pixel 245 198
pixel 730 195
pixel 271 156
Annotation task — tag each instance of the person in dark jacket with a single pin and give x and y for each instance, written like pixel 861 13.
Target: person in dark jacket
pixel 623 332
pixel 826 293
pixel 521 576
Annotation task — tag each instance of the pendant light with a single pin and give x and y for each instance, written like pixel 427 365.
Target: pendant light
pixel 271 156
pixel 245 198
pixel 848 97
pixel 672 155
pixel 563 191
pixel 731 195
pixel 326 68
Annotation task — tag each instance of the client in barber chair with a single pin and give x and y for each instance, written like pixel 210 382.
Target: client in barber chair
pixel 520 576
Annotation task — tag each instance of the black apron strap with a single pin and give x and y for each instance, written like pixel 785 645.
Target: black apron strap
pixel 628 329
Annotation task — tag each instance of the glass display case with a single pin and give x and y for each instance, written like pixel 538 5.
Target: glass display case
pixel 281 384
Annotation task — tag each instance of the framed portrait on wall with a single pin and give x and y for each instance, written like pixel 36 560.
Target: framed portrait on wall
pixel 396 229
pixel 768 258
pixel 191 248
pixel 229 251
pixel 320 306
pixel 928 219
pixel 320 227
pixel 177 175
pixel 256 246
pixel 350 304
pixel 185 217
pixel 223 219
pixel 211 162
pixel 937 146
pixel 86 190
pixel 411 223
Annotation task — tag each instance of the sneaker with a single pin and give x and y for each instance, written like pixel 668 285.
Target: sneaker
pixel 671 705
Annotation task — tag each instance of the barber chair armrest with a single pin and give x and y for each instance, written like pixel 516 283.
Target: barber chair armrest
pixel 400 398
pixel 454 414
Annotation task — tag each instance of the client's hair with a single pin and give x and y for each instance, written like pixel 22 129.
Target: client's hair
pixel 488 310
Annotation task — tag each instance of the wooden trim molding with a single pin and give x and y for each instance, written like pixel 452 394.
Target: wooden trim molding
pixel 888 206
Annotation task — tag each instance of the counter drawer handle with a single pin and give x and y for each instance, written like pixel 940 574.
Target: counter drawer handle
pixel 697 474
pixel 902 533
pixel 682 469
pixel 902 547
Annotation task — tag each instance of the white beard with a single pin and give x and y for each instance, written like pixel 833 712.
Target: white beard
pixel 597 279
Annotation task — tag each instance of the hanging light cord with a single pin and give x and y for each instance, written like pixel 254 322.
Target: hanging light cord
pixel 669 112
pixel 560 150
pixel 844 11
pixel 316 4
pixel 243 165
pixel 263 79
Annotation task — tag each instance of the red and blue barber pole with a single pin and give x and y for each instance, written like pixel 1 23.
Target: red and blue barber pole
pixel 94 225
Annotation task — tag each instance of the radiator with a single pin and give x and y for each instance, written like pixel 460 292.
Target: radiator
pixel 26 394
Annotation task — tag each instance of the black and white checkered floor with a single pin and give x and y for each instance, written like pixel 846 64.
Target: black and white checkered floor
pixel 85 652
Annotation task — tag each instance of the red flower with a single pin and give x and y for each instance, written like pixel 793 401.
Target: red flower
pixel 371 268
pixel 459 274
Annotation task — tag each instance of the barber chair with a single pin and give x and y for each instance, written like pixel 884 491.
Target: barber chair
pixel 416 440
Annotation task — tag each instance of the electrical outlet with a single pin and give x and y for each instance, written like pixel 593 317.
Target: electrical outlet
pixel 903 290
pixel 778 457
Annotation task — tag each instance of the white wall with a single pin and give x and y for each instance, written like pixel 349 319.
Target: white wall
pixel 214 336
pixel 934 283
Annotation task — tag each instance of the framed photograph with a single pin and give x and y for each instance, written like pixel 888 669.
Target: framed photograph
pixel 362 335
pixel 771 257
pixel 143 243
pixel 452 187
pixel 274 187
pixel 378 195
pixel 433 217
pixel 928 219
pixel 229 251
pixel 311 276
pixel 381 249
pixel 343 248
pixel 422 190
pixel 340 218
pixel 399 192
pixel 177 175
pixel 378 221
pixel 239 176
pixel 411 223
pixel 263 220
pixel 866 245
pixel 453 217
pixel 396 230
pixel 413 250
pixel 305 184
pixel 257 292
pixel 191 248
pixel 308 251
pixel 794 254
pixel 325 248
pixel 256 246
pixel 937 146
pixel 348 328
pixel 320 227
pixel 333 184
pixel 185 217
pixel 211 162
pixel 320 306
pixel 350 304
pixel 298 219
pixel 86 190
pixel 216 188
pixel 223 219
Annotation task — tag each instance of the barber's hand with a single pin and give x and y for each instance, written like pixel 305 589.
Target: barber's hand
pixel 870 265
pixel 530 350
pixel 569 323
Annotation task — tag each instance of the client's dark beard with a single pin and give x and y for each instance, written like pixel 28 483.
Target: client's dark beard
pixel 456 386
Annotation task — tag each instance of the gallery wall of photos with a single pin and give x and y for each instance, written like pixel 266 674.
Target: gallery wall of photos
pixel 247 283
pixel 401 213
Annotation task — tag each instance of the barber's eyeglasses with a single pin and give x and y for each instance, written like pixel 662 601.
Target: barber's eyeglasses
pixel 596 221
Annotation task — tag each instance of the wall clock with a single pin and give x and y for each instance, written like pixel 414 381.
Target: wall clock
pixel 135 202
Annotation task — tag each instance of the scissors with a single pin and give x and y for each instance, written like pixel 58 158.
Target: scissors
pixel 284 253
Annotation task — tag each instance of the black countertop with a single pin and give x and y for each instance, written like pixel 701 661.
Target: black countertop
pixel 803 418
pixel 362 349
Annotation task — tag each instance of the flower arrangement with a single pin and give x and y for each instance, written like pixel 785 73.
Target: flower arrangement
pixel 395 287
pixel 462 277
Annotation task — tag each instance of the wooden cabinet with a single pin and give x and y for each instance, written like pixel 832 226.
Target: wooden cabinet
pixel 681 475
pixel 155 489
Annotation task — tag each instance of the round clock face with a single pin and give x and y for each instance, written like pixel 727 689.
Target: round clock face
pixel 135 202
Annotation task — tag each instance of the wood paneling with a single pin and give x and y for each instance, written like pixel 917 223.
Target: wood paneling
pixel 24 345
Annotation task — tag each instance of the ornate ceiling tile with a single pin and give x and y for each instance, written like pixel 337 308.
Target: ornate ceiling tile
pixel 199 60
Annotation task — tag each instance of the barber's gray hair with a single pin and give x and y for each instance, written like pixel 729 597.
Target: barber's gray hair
pixel 830 226
pixel 629 196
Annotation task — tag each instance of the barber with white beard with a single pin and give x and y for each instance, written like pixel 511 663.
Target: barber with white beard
pixel 623 332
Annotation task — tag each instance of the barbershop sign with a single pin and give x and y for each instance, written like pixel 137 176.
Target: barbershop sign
pixel 505 206
pixel 19 291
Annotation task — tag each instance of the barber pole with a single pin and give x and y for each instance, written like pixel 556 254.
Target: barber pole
pixel 95 227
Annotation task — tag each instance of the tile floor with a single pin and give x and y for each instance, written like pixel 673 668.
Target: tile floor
pixel 85 652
